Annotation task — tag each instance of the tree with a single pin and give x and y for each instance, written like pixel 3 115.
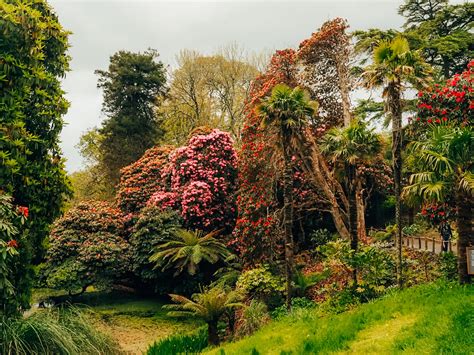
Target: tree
pixel 286 111
pixel 394 65
pixel 87 247
pixel 444 162
pixel 32 103
pixel 207 90
pixel 131 88
pixel 187 249
pixel 441 31
pixel 441 154
pixel 209 305
pixel 348 149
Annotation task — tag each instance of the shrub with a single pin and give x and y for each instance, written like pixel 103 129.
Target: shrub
pixel 448 266
pixel 180 344
pixel 152 228
pixel 65 331
pixel 259 283
pixel 252 318
pixel 200 182
pixel 297 303
pixel 320 237
pixel 140 180
pixel 87 247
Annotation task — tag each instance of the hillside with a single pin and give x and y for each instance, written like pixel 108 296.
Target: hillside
pixel 429 319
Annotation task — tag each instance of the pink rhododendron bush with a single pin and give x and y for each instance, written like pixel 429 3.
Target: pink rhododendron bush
pixel 200 182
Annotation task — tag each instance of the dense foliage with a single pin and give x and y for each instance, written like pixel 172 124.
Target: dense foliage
pixel 87 247
pixel 33 61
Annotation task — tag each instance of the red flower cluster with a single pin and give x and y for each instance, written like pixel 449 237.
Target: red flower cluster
pixel 12 243
pixel 22 210
pixel 452 102
pixel 436 213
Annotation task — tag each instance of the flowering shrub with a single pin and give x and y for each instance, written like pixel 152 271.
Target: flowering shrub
pixel 87 247
pixel 200 182
pixel 140 180
pixel 436 213
pixel 451 103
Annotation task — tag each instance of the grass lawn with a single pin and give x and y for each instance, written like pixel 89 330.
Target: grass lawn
pixel 428 319
pixel 133 321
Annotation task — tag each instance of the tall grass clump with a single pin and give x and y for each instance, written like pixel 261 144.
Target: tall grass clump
pixel 180 344
pixel 56 331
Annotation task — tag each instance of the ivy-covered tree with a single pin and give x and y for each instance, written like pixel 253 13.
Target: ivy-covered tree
pixel 33 61
pixel 132 86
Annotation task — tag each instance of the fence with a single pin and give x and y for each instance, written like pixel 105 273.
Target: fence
pixel 428 243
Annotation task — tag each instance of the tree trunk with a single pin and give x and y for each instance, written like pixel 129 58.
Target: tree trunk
pixel 321 179
pixel 465 232
pixel 353 213
pixel 288 220
pixel 212 333
pixel 361 227
pixel 395 111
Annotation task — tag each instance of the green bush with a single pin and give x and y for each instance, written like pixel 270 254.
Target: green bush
pixel 180 344
pixel 448 266
pixel 152 228
pixel 320 237
pixel 259 283
pixel 297 303
pixel 252 318
pixel 64 331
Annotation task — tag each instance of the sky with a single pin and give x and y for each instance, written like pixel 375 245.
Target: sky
pixel 101 28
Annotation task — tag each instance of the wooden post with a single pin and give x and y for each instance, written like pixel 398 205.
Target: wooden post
pixel 450 246
pixel 426 243
pixel 433 249
pixel 419 242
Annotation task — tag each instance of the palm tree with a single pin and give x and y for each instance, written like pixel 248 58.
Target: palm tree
pixel 395 65
pixel 286 111
pixel 187 249
pixel 209 305
pixel 445 161
pixel 348 148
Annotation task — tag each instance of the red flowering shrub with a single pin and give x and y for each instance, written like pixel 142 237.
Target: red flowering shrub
pixel 437 213
pixel 87 247
pixel 200 183
pixel 140 180
pixel 451 103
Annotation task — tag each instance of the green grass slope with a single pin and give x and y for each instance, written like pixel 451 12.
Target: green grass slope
pixel 428 319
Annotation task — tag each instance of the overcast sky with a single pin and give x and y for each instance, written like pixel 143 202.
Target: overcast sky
pixel 100 28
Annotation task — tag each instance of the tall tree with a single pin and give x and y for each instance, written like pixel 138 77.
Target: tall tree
pixel 207 90
pixel 348 148
pixel 287 111
pixel 33 61
pixel 442 31
pixel 131 88
pixel 395 65
pixel 444 161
